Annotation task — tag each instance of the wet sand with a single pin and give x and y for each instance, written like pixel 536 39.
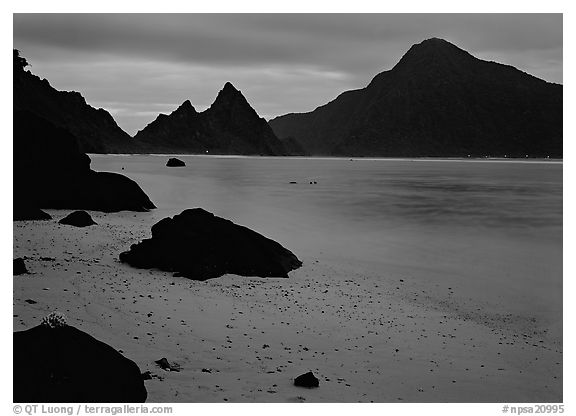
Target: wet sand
pixel 381 338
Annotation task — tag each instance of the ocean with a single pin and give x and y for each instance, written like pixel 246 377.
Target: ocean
pixel 490 229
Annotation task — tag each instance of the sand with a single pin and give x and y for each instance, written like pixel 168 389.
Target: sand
pixel 367 337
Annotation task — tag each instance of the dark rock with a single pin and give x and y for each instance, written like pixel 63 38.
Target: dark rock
pixel 175 163
pixel 19 267
pixel 78 219
pixel 437 101
pixel 229 126
pixel 306 380
pixel 50 172
pixel 63 365
pixel 30 301
pixel 164 364
pixel 95 129
pixel 27 213
pixel 200 246
pixel 147 375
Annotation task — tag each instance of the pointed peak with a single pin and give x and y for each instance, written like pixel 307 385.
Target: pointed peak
pixel 186 106
pixel 229 87
pixel 433 48
pixel 228 91
pixel 228 95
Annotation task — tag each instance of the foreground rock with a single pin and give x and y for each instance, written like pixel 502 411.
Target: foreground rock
pixel 175 163
pixel 306 380
pixel 19 267
pixel 198 245
pixel 78 219
pixel 27 213
pixel 50 172
pixel 54 362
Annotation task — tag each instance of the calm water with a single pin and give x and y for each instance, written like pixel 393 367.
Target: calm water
pixel 493 229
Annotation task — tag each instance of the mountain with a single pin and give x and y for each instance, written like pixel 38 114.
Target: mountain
pixel 95 129
pixel 438 100
pixel 229 126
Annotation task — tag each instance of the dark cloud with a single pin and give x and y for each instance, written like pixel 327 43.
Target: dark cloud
pixel 282 63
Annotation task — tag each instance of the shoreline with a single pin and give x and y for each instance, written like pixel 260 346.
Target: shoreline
pixel 382 338
pixel 351 158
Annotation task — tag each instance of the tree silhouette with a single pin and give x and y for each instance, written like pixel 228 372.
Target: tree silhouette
pixel 19 62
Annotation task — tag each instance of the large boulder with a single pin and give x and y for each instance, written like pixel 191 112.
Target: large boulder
pixel 198 245
pixel 307 380
pixel 61 364
pixel 78 219
pixel 50 172
pixel 175 163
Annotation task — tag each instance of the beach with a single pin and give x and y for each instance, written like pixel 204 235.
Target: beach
pixel 379 311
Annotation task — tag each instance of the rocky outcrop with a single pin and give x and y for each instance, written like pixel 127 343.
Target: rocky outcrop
pixel 175 163
pixel 198 245
pixel 229 126
pixel 78 219
pixel 61 364
pixel 95 129
pixel 51 172
pixel 437 101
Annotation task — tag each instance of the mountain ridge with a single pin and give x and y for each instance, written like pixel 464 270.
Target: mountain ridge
pixel 438 100
pixel 94 128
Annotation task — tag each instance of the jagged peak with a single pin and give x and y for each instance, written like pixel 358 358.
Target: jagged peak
pixel 228 95
pixel 229 88
pixel 185 107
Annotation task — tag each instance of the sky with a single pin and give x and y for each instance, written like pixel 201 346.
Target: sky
pixel 139 65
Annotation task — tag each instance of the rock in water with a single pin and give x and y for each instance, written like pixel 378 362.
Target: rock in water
pixel 175 163
pixel 19 266
pixel 63 364
pixel 198 245
pixel 26 213
pixel 78 219
pixel 306 380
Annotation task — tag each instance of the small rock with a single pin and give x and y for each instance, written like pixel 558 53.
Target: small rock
pixel 164 364
pixel 19 267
